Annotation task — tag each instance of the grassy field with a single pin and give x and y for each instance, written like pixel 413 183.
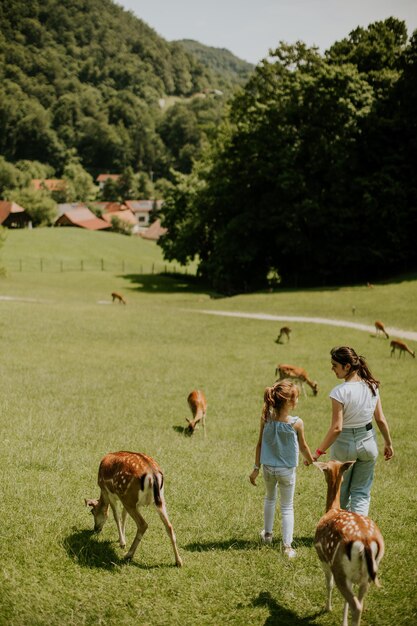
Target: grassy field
pixel 80 377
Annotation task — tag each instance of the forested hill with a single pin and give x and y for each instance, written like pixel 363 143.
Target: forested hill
pixel 220 60
pixel 87 76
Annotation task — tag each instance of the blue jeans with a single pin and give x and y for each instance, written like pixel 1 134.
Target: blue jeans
pixel 284 478
pixel 356 444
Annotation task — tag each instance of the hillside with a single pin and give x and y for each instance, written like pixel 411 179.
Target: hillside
pixel 86 77
pixel 220 60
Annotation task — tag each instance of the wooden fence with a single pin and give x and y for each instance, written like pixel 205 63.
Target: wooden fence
pixel 39 264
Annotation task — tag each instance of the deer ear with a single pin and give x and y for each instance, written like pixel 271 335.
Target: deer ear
pixel 91 503
pixel 320 465
pixel 187 420
pixel 346 465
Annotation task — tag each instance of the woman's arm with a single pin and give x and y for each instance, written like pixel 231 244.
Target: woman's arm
pixel 384 429
pixel 334 430
pixel 302 443
pixel 253 476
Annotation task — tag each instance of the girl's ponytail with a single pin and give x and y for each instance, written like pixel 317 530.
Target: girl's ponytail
pixel 366 374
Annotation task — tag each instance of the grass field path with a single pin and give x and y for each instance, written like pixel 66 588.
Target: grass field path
pixel 397 332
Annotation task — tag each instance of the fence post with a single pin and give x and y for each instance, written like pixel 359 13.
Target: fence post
pixel 153 268
pixel 20 265
pixel 102 265
pixel 62 266
pixel 41 262
pixel 82 265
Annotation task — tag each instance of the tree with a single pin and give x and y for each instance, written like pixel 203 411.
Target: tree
pixel 38 204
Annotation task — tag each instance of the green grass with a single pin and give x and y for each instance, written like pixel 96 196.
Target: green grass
pixel 79 378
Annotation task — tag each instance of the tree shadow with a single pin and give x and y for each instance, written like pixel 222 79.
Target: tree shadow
pixel 279 615
pixel 83 548
pixel 170 283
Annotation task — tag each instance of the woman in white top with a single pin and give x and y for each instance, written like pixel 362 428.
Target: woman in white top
pixel 351 435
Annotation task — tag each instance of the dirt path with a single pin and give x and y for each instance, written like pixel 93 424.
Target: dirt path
pixel 395 332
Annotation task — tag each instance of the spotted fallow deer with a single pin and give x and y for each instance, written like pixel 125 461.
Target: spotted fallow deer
pixel 118 296
pixel 284 331
pixel 397 344
pixel 298 374
pixel 198 406
pixel 135 480
pixel 380 328
pixel 350 546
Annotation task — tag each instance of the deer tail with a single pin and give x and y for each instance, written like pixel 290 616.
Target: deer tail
pixel 371 565
pixel 157 488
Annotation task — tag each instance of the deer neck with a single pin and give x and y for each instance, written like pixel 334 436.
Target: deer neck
pixel 333 493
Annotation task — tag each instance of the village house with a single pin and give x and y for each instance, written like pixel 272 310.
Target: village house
pixel 103 178
pixel 81 217
pixel 142 209
pixel 12 215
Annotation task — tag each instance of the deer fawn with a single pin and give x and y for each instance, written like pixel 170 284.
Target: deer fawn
pixel 118 296
pixel 349 546
pixel 198 405
pixel 380 328
pixel 135 480
pixel 298 374
pixel 285 330
pixel 401 346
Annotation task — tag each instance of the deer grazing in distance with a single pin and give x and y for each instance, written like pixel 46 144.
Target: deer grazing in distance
pixel 285 330
pixel 298 374
pixel 198 406
pixel 380 328
pixel 350 546
pixel 135 480
pixel 401 346
pixel 118 296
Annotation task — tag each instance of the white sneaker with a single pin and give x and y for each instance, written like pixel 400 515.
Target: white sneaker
pixel 266 537
pixel 289 552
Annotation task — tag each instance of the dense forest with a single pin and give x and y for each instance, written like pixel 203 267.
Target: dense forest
pixel 311 179
pixel 86 79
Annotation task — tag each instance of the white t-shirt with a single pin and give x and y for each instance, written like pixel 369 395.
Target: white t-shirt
pixel 358 402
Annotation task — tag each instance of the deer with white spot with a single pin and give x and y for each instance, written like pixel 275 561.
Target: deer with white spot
pixel 135 480
pixel 198 406
pixel 401 346
pixel 298 374
pixel 380 328
pixel 350 546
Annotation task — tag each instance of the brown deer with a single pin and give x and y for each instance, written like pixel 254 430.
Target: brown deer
pixel 135 480
pixel 380 328
pixel 285 330
pixel 350 546
pixel 401 346
pixel 198 405
pixel 298 374
pixel 118 296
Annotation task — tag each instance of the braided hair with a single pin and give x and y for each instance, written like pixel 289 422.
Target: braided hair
pixel 345 355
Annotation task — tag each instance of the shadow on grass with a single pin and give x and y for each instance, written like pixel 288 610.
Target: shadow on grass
pixel 279 615
pixel 83 548
pixel 170 283
pixel 242 544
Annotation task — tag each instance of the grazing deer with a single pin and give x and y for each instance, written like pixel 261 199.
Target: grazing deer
pixel 298 374
pixel 401 347
pixel 198 405
pixel 349 546
pixel 135 480
pixel 380 328
pixel 118 296
pixel 285 330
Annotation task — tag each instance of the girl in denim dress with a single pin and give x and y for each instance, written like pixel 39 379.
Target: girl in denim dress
pixel 351 436
pixel 281 437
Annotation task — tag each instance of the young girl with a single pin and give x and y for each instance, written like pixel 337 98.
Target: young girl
pixel 351 434
pixel 281 436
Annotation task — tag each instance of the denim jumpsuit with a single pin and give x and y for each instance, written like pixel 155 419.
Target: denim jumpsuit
pixel 357 442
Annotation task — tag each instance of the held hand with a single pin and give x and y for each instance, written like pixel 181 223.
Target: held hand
pixel 254 476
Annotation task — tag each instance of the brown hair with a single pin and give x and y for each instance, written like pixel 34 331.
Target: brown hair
pixel 276 396
pixel 345 355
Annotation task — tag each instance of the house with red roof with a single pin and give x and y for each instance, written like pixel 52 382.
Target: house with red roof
pixel 82 217
pixel 103 178
pixel 154 231
pixel 142 209
pixel 12 215
pixel 50 184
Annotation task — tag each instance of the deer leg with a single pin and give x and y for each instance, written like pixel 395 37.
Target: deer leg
pixel 114 503
pixel 123 527
pixel 203 422
pixel 345 587
pixel 329 584
pixel 170 531
pixel 141 526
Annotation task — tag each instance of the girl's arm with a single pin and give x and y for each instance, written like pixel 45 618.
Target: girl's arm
pixel 384 429
pixel 334 430
pixel 302 443
pixel 254 475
